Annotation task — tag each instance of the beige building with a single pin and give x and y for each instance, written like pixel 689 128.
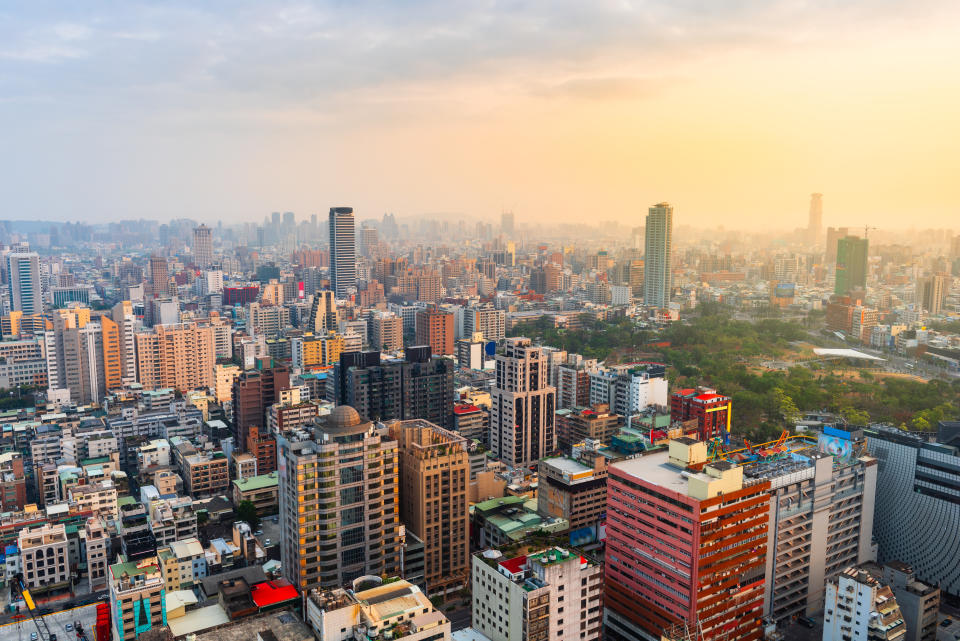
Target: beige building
pixel 224 376
pixel 262 491
pixel 44 557
pixel 386 332
pixel 180 356
pixel 434 480
pixel 100 498
pixel 574 487
pixel 95 543
pixel 396 610
pixel 245 465
pixel 183 564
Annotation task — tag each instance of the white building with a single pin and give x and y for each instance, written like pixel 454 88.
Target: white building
pixel 553 594
pixel 522 428
pixel 859 608
pixel 628 391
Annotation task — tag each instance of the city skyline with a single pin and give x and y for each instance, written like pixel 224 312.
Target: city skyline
pixel 731 113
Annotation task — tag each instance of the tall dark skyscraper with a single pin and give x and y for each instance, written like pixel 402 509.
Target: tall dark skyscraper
pixel 658 266
pixel 343 250
pixel 851 265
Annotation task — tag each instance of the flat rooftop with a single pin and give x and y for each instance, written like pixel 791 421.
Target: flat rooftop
pixel 284 624
pixel 567 465
pixel 654 469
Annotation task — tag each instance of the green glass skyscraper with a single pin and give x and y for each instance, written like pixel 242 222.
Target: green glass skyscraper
pixel 851 265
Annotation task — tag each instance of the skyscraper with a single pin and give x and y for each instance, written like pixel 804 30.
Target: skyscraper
pixel 834 234
pixel 931 290
pixel 338 495
pixel 522 427
pixel 203 246
pixel 851 265
pixel 435 328
pixel 23 270
pixel 507 223
pixel 815 224
pixel 180 357
pixel 343 251
pixel 658 275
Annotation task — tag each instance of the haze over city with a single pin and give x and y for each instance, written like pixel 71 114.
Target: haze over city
pixel 734 112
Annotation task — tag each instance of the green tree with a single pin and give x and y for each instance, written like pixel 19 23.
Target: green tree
pixel 785 405
pixel 247 511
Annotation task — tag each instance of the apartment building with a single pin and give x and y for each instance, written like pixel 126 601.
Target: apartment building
pixel 338 484
pixel 472 423
pixel 183 564
pixel 179 356
pixel 434 479
pixel 628 390
pixel 99 498
pixel 486 320
pixel 44 557
pixel 262 491
pixel 713 412
pixel 137 598
pixel 97 547
pixel 386 332
pixel 13 482
pixel 173 519
pixel 206 474
pixel 435 327
pixel 552 594
pixel 574 487
pixel 577 424
pixel 858 606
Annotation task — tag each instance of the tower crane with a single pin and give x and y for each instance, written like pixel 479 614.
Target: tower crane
pixel 18 586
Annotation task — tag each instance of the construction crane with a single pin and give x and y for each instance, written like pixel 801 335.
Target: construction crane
pixel 42 630
pixel 867 229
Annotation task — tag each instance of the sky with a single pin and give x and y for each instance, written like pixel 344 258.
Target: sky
pixel 732 110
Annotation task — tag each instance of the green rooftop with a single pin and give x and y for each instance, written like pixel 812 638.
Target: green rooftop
pixel 95 461
pixel 131 569
pixel 126 500
pixel 260 482
pixel 492 504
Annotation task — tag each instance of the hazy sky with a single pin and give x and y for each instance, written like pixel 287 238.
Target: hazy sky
pixel 734 110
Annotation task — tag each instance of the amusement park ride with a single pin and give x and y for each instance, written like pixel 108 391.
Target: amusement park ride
pixel 718 449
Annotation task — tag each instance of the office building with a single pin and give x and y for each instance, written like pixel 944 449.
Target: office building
pixel 254 392
pixel 23 274
pixel 834 234
pixel 522 426
pixel 84 356
pixel 507 221
pixel 435 328
pixel 858 606
pixel 577 424
pixel 917 503
pixel 658 264
pixel 684 546
pixel 138 601
pixel 551 594
pixel 323 313
pixel 851 275
pixel 343 251
pixel 395 610
pixel 346 526
pixel 931 291
pixel 713 412
pixel 203 246
pixel 180 357
pixel 434 475
pixel 574 487
pixel 96 544
pixel 206 474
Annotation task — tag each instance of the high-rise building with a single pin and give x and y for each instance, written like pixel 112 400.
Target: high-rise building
pixel 417 387
pixel 254 392
pixel 628 390
pixel 552 594
pixel 122 314
pixel 23 274
pixel 576 424
pixel 834 234
pixel 487 320
pixel 386 332
pixel 522 427
pixel 931 291
pixel 434 475
pixel 851 265
pixel 507 223
pixel 178 357
pixel 815 223
pixel 919 603
pixel 435 328
pixel 658 264
pixel 858 606
pixel 684 546
pixel 323 313
pixel 339 497
pixel 343 251
pixel 83 356
pixel 917 503
pixel 159 276
pixel 203 246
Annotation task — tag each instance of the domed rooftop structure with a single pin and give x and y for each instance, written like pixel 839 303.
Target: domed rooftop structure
pixel 344 419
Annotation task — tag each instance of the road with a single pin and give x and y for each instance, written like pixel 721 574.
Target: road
pixel 460 617
pixel 57 622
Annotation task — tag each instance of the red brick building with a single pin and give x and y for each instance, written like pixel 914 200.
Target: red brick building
pixel 713 412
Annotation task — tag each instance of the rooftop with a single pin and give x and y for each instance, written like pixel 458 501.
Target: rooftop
pixel 257 482
pixel 655 469
pixel 284 624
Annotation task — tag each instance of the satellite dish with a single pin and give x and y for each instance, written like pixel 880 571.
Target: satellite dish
pixel 491 348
